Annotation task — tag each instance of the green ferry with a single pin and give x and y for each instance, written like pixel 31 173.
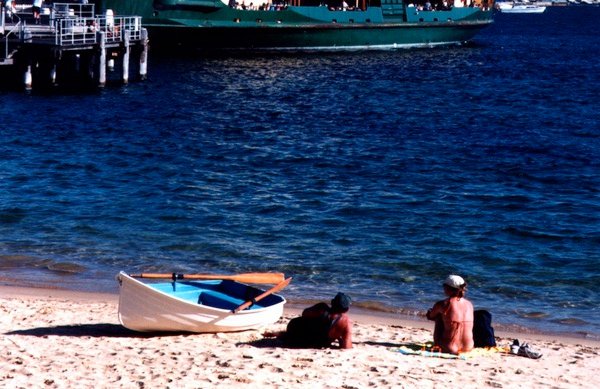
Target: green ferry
pixel 307 24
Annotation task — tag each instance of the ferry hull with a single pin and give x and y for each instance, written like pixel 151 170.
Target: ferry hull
pixel 210 24
pixel 314 37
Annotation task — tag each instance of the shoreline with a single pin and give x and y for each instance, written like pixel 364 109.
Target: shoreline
pixel 359 315
pixel 506 322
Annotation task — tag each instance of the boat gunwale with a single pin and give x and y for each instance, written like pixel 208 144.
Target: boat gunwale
pixel 327 26
pixel 149 288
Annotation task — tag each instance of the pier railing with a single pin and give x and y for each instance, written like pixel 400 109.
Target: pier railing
pixel 82 30
pixel 70 24
pixel 116 26
pixel 65 10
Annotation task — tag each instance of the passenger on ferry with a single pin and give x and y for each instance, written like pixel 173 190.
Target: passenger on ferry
pixel 444 6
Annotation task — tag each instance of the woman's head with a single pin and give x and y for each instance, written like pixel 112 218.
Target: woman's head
pixel 455 286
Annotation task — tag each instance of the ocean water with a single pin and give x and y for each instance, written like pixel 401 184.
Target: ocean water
pixel 372 173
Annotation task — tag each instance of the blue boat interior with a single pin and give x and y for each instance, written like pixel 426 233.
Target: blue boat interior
pixel 217 294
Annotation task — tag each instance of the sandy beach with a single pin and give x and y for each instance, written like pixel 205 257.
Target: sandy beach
pixel 63 339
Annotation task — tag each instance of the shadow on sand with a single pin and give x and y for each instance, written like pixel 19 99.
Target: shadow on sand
pixel 277 343
pixel 382 344
pixel 264 343
pixel 93 330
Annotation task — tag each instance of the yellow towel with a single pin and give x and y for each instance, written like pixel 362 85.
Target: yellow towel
pixel 428 350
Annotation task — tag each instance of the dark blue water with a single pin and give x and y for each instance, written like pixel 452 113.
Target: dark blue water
pixel 374 173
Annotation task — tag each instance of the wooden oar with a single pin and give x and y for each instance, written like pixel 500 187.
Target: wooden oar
pixel 261 296
pixel 248 278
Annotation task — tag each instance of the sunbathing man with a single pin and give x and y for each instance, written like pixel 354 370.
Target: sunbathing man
pixel 453 318
pixel 320 325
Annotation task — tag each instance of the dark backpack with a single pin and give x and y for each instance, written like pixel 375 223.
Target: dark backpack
pixel 307 332
pixel 483 333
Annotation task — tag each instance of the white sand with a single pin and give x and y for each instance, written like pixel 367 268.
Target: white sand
pixel 58 339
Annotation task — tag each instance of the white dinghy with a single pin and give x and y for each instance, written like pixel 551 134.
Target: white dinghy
pixel 211 304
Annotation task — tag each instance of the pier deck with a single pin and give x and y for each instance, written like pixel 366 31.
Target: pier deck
pixel 68 31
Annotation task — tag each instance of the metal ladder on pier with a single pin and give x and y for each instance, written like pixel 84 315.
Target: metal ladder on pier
pixel 9 34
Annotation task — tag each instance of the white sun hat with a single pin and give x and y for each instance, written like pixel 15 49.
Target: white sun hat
pixel 454 281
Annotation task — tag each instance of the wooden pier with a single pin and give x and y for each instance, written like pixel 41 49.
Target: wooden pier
pixel 70 43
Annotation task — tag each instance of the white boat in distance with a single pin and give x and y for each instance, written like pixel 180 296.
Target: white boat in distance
pixel 194 306
pixel 519 8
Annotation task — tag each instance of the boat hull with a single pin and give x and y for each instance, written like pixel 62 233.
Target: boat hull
pixel 510 8
pixel 537 10
pixel 183 306
pixel 316 37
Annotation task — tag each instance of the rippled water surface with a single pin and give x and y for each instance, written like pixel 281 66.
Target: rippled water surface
pixel 375 173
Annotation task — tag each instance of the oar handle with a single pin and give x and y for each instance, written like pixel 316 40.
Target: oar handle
pixel 261 296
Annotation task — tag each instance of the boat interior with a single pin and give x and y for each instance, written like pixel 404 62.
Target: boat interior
pixel 224 294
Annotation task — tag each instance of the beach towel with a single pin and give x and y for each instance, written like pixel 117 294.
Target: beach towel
pixel 428 350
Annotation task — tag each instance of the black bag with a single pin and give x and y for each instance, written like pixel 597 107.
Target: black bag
pixel 305 332
pixel 483 333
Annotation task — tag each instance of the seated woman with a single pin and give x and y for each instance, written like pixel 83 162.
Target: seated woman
pixel 453 318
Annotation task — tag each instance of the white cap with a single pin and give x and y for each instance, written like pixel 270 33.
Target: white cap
pixel 454 281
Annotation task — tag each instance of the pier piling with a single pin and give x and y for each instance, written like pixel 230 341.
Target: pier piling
pixel 53 74
pixel 144 55
pixel 102 58
pixel 126 46
pixel 27 78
